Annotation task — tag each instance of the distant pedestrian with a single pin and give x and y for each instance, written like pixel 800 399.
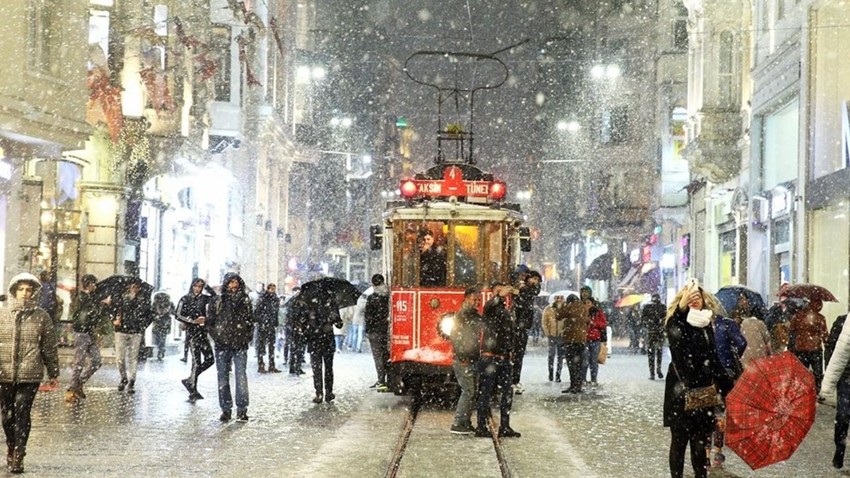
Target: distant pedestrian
pixel 192 311
pixel 319 320
pixel 694 365
pixel 134 316
pixel 295 333
pixel 267 322
pixel 652 317
pixel 356 328
pixel 465 338
pixel 163 310
pixel 376 320
pixel 553 329
pixel 494 366
pixel 837 378
pixel 90 320
pixel 808 329
pixel 48 299
pixel 574 315
pixel 753 330
pixel 778 319
pixel 597 334
pixel 231 325
pixel 528 286
pixel 27 347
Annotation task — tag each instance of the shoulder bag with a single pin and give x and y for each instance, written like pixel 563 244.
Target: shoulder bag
pixel 699 398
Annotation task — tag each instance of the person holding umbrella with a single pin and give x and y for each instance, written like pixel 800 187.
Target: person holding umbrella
pixel 319 317
pixel 231 325
pixel 27 347
pixel 808 328
pixel 694 371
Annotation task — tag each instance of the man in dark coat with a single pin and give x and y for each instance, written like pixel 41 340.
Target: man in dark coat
pixel 321 315
pixel 134 316
pixel 652 318
pixel 231 325
pixel 376 319
pixel 295 333
pixel 494 366
pixel 465 336
pixel 90 321
pixel 192 310
pixel 267 322
pixel 528 284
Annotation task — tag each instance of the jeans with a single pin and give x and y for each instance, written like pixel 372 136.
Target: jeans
pixel 15 405
pixel 202 357
pixel 590 360
pixel 467 375
pixel 556 349
pixel 494 372
pixel 224 357
pixel 654 345
pixel 380 354
pixel 85 346
pixel 574 352
pixel 127 354
pixel 265 344
pixel 322 354
pixel 355 337
pixel 520 343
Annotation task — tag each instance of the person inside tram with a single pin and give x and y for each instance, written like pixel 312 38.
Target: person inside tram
pixel 432 261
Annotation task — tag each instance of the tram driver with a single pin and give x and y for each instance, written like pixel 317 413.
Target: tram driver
pixel 432 261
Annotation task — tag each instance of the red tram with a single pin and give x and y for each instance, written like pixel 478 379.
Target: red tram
pixel 450 230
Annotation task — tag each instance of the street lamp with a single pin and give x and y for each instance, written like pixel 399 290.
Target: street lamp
pixel 606 72
pixel 571 126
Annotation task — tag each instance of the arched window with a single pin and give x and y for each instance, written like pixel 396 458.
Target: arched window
pixel 726 71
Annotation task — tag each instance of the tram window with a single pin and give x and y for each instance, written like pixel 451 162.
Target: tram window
pixel 406 254
pixel 466 247
pixel 495 248
pixel 432 254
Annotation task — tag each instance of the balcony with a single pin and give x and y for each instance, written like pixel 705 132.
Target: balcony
pixel 714 153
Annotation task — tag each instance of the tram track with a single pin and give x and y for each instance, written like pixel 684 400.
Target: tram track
pixel 401 447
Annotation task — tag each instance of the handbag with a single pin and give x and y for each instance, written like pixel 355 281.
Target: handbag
pixel 603 354
pixel 699 398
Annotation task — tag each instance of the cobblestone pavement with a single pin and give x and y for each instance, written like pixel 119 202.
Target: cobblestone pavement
pixel 613 431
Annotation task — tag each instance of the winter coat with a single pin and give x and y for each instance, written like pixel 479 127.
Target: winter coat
pixel 498 329
pixel 575 320
pixel 808 329
pixel 135 314
pixel 524 305
pixel 89 315
pixel 832 340
pixel 652 318
pixel 231 318
pixel 163 309
pixel 466 334
pixel 190 307
pixel 360 307
pixel 837 369
pixel 27 338
pixel 755 333
pixel 694 364
pixel 730 345
pixel 598 325
pixel 267 307
pixel 376 310
pixel 551 326
pixel 318 317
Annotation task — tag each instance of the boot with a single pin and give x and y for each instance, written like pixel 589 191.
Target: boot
pixel 838 457
pixel 16 464
pixel 131 387
pixel 261 368
pixel 550 374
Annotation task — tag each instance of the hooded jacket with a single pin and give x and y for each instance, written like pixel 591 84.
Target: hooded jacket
pixel 267 306
pixel 231 318
pixel 498 328
pixel 192 306
pixel 27 338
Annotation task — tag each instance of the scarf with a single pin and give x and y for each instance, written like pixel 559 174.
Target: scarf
pixel 699 318
pixel 20 305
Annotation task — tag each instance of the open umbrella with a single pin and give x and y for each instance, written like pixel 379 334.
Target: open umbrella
pixel 811 292
pixel 729 295
pixel 630 300
pixel 116 285
pixel 770 410
pixel 342 292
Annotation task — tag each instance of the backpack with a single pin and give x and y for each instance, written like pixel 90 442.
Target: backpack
pixel 376 312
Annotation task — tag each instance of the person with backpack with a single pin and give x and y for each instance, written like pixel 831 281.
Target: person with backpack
pixel 231 325
pixel 377 316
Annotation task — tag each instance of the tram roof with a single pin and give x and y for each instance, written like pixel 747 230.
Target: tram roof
pixel 453 211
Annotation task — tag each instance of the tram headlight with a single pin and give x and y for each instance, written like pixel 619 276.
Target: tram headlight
pixel 446 325
pixel 498 190
pixel 408 188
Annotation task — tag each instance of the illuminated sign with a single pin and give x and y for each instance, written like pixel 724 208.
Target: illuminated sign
pixel 452 184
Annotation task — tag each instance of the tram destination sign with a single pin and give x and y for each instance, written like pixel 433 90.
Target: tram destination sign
pixel 452 184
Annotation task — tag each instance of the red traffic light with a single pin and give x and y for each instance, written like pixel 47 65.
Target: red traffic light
pixel 498 190
pixel 408 188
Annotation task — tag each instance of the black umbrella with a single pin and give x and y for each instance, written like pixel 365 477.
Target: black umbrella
pixel 340 291
pixel 729 295
pixel 116 285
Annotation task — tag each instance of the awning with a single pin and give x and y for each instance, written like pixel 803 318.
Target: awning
pixel 631 279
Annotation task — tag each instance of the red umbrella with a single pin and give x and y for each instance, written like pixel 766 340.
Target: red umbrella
pixel 811 292
pixel 770 410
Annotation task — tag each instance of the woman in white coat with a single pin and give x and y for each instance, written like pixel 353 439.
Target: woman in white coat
pixel 837 379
